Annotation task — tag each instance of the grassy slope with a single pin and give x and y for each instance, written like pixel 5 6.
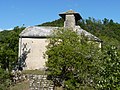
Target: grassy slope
pixel 21 86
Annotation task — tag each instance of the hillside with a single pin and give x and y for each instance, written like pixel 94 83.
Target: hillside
pixel 55 23
pixel 107 30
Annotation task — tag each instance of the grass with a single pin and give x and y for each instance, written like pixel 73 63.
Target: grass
pixel 20 86
pixel 37 72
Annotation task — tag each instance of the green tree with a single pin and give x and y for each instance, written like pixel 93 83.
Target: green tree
pixel 8 54
pixel 72 61
pixel 9 48
pixel 4 79
pixel 110 69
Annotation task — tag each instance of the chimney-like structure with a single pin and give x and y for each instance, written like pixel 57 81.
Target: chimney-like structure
pixel 70 18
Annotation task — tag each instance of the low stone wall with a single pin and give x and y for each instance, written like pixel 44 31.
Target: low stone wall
pixel 36 82
pixel 40 82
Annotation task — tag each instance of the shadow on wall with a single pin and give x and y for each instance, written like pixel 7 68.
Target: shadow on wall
pixel 21 61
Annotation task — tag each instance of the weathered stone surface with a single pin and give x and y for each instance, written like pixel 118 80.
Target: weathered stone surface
pixel 37 47
pixel 38 32
pixel 36 83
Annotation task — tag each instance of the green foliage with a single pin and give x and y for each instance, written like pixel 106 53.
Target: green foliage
pixel 72 62
pixel 36 72
pixel 20 86
pixel 9 48
pixel 4 79
pixel 106 30
pixel 110 69
pixel 8 54
pixel 56 23
pixel 76 64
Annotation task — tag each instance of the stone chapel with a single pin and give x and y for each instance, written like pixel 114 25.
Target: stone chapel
pixel 33 41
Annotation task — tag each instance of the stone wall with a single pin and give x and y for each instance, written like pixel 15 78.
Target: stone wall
pixel 36 82
pixel 40 82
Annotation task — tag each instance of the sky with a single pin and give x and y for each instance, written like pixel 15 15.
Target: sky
pixel 33 12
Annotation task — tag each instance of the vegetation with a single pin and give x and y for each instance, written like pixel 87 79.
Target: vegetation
pixel 9 48
pixel 8 54
pixel 107 30
pixel 71 60
pixel 20 86
pixel 106 70
pixel 36 72
pixel 56 23
pixel 109 69
pixel 74 63
pixel 4 79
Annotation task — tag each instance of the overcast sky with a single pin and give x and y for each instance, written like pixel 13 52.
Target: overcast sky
pixel 32 12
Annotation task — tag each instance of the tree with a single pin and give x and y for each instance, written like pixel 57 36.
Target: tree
pixel 72 61
pixel 9 48
pixel 8 55
pixel 4 79
pixel 110 69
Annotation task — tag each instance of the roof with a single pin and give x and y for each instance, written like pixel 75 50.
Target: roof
pixel 35 31
pixel 44 31
pixel 69 12
pixel 87 34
